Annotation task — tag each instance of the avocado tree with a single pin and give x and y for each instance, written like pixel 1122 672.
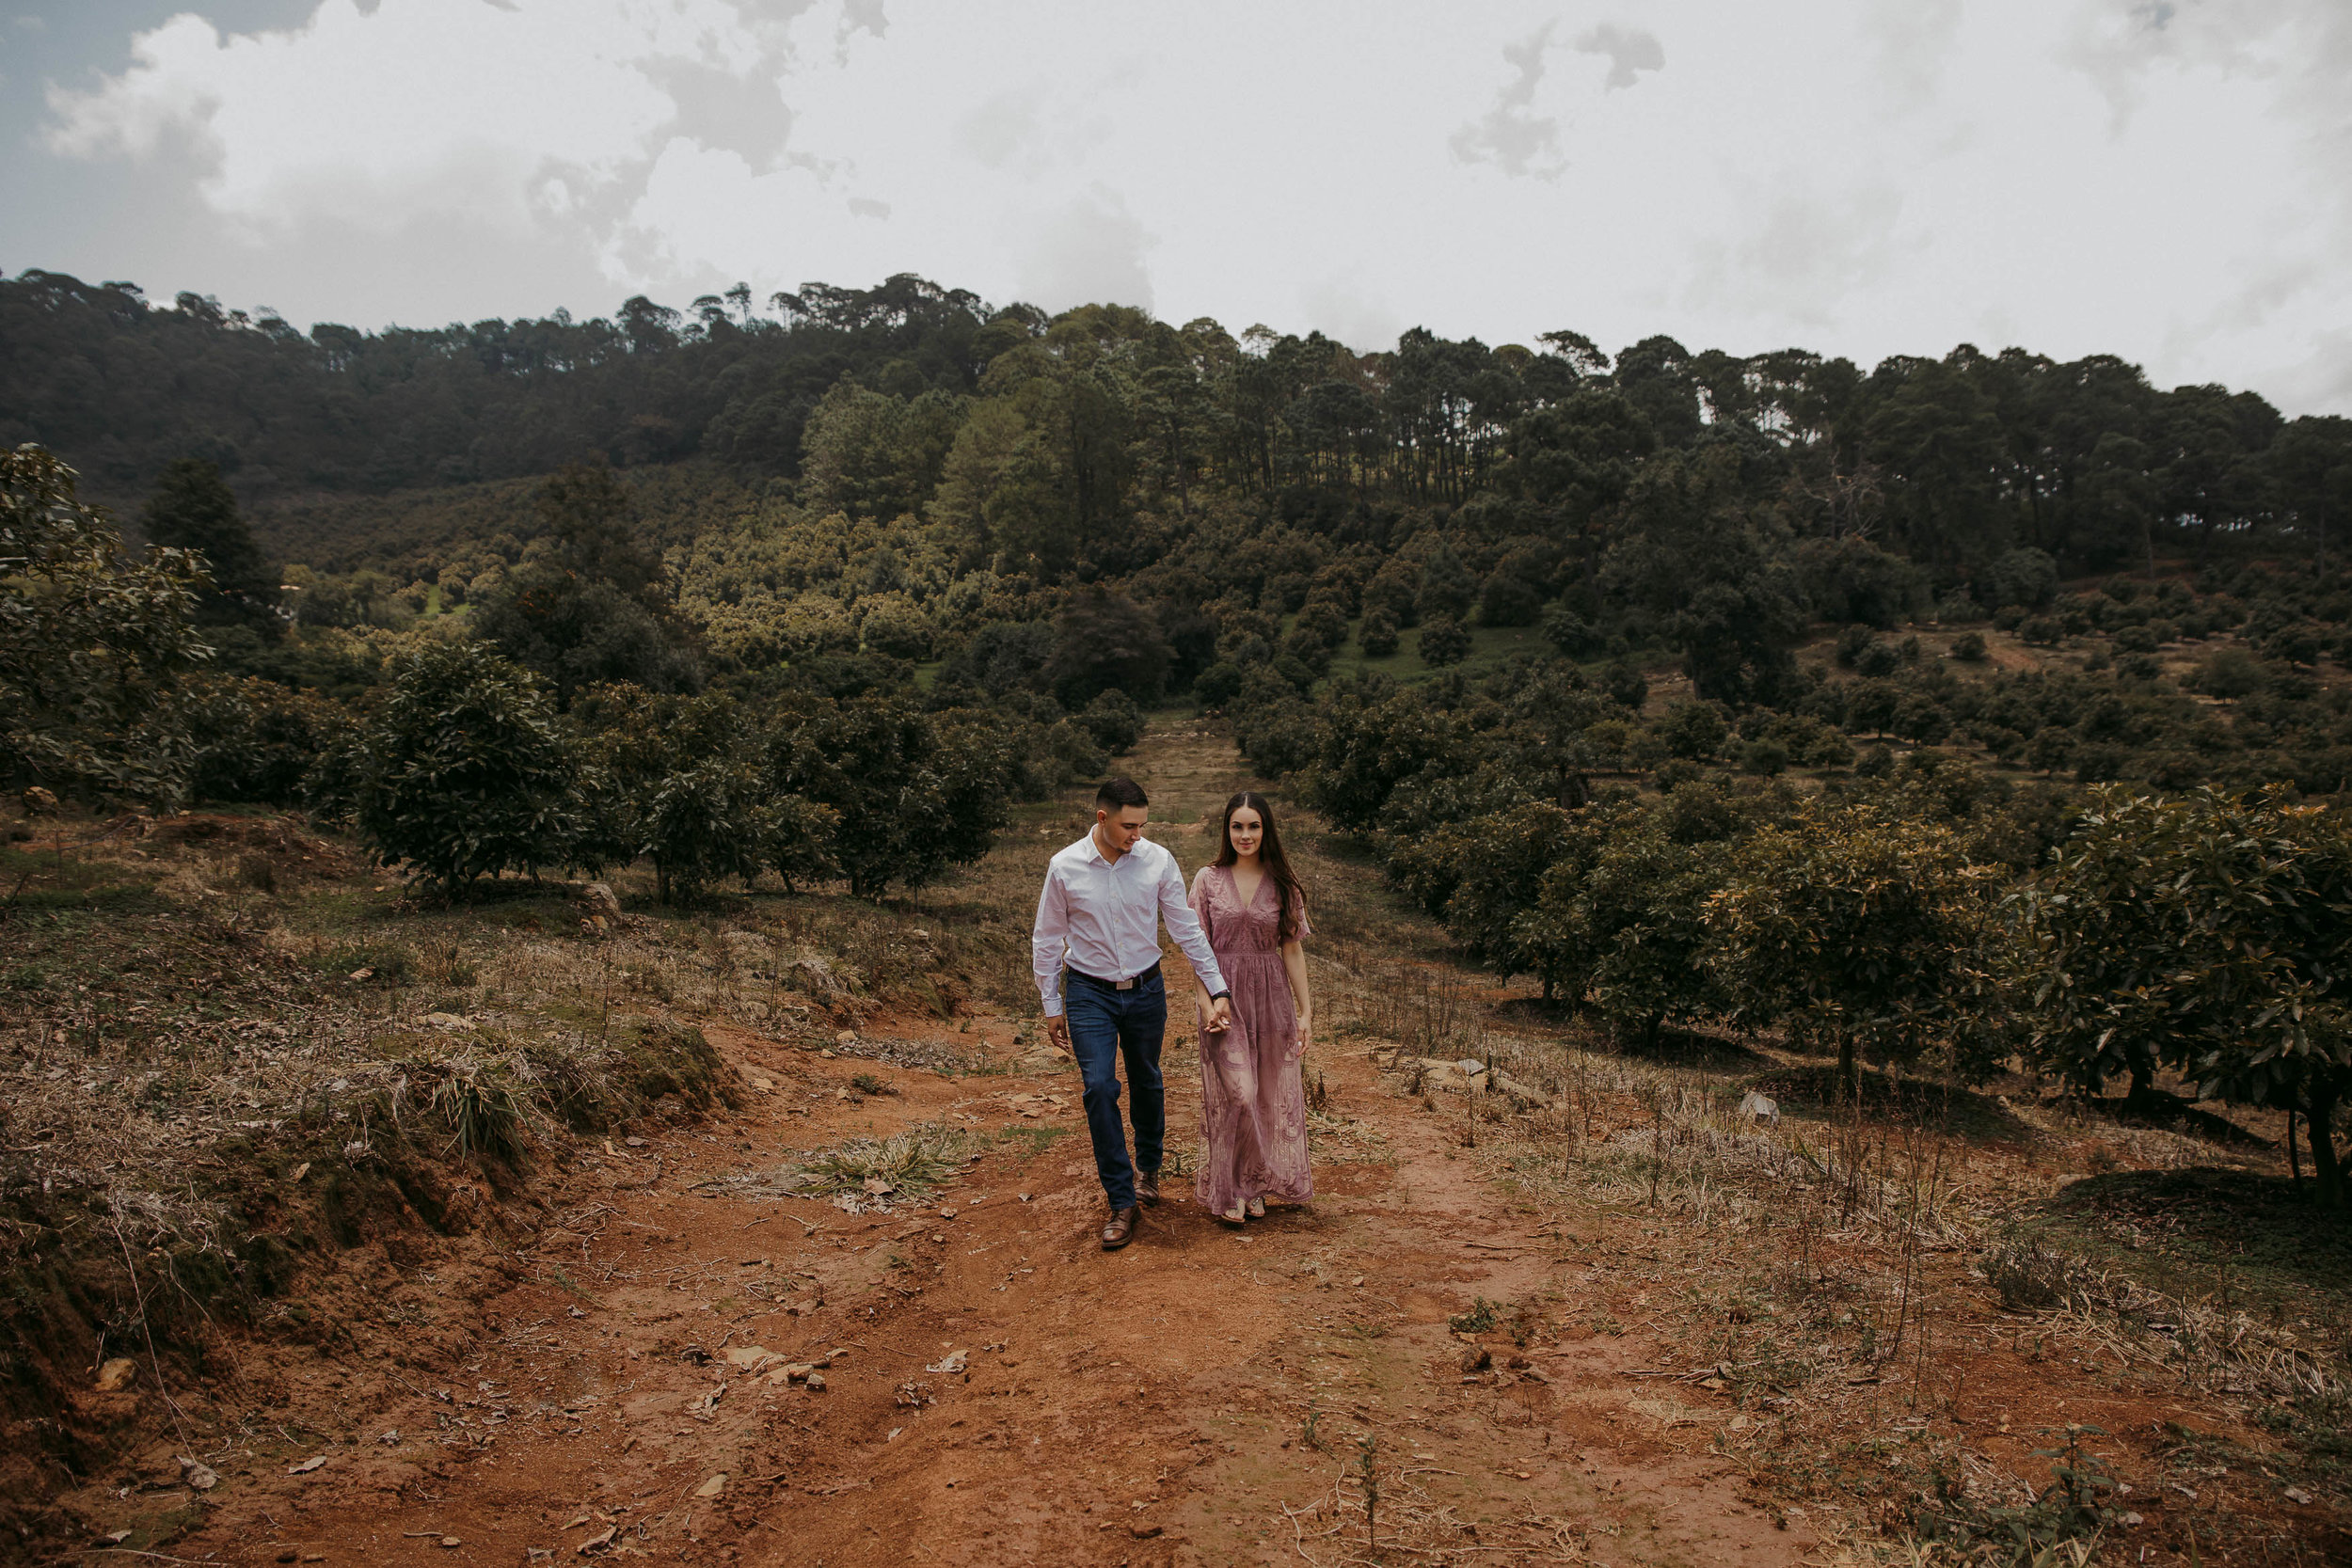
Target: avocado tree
pixel 1641 909
pixel 912 794
pixel 1853 928
pixel 2208 934
pixel 91 646
pixel 682 781
pixel 463 773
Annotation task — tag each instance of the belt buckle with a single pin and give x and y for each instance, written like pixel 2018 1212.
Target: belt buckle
pixel 1124 985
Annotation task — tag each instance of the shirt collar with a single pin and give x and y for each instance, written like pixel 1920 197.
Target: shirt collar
pixel 1095 849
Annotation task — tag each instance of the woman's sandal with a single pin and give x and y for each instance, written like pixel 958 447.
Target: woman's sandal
pixel 1256 1208
pixel 1233 1218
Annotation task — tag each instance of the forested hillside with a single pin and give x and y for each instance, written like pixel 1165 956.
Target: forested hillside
pixel 810 595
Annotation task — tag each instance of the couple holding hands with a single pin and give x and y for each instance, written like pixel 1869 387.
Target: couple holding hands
pixel 1096 948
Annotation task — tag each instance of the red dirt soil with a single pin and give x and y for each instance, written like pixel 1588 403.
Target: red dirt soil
pixel 1145 1407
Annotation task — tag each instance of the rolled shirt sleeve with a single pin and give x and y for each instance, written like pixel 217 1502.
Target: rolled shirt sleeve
pixel 1176 913
pixel 1048 937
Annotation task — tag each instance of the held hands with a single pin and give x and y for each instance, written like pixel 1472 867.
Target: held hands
pixel 1220 1015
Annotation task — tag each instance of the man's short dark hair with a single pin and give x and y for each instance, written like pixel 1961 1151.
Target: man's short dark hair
pixel 1121 793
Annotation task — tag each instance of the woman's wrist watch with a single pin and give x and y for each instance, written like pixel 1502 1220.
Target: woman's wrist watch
pixel 1220 995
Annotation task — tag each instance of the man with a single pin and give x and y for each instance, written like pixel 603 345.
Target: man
pixel 1100 913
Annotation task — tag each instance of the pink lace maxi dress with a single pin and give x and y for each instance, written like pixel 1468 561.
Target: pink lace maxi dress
pixel 1253 1104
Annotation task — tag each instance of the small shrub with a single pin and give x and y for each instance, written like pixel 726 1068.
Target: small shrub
pixel 1378 637
pixel 1969 648
pixel 2029 1276
pixel 1480 1319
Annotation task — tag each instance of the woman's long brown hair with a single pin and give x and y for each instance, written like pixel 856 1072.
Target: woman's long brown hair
pixel 1278 866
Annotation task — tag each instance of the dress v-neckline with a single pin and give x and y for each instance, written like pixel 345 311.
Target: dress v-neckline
pixel 1247 899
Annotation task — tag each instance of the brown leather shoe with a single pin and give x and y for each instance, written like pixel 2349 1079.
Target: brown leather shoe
pixel 1148 1188
pixel 1122 1229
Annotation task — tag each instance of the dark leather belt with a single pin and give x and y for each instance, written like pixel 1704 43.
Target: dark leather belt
pixel 1116 984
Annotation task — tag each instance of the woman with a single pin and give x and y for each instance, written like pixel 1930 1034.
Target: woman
pixel 1253 1103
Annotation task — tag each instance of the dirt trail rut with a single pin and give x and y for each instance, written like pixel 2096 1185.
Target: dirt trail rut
pixel 995 1390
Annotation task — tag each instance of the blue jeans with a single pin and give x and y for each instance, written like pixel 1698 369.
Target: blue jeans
pixel 1105 1025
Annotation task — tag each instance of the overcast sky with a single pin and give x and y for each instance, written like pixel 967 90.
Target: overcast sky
pixel 2166 180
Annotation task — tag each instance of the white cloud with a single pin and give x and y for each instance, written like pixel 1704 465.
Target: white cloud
pixel 1865 176
pixel 1510 134
pixel 417 107
pixel 1629 52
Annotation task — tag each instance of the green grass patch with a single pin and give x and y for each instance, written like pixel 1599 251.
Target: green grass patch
pixel 1491 647
pixel 110 898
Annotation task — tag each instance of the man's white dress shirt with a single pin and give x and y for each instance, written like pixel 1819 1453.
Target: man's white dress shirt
pixel 1103 917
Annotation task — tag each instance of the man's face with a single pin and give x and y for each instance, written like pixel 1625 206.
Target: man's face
pixel 1121 828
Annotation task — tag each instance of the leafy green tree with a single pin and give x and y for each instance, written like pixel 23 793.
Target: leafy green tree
pixel 1114 720
pixel 256 740
pixel 1325 621
pixel 2208 934
pixel 1105 642
pixel 193 508
pixel 1637 912
pixel 1694 729
pixel 464 772
pixel 678 780
pixel 874 455
pixel 1443 641
pixel 1574 636
pixel 896 626
pixel 1481 873
pixel 2023 577
pixel 596 607
pixel 1375 737
pixel 1627 685
pixel 1377 634
pixel 1735 636
pixel 1508 599
pixel 1854 930
pixel 913 794
pixel 91 646
pixel 2311 464
pixel 1217 685
pixel 1447 589
pixel 1549 726
pixel 1854 581
pixel 1577 454
pixel 705 822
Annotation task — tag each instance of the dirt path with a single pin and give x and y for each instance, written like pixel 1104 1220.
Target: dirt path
pixel 995 1390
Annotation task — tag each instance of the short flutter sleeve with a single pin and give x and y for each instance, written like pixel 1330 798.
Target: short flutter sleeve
pixel 1200 902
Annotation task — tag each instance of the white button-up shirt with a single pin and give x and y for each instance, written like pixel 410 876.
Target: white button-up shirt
pixel 1103 917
